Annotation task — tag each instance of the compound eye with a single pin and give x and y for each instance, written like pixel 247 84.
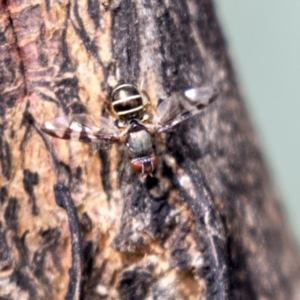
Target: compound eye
pixel 137 166
pixel 144 165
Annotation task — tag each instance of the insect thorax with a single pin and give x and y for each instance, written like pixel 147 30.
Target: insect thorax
pixel 127 102
pixel 140 142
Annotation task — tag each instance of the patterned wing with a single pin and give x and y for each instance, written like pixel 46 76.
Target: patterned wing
pixel 174 110
pixel 83 128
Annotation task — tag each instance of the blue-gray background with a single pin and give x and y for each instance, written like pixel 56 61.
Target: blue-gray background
pixel 263 38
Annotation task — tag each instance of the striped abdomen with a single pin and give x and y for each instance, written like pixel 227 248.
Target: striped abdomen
pixel 127 102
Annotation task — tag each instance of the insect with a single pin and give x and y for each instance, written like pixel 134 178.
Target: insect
pixel 133 125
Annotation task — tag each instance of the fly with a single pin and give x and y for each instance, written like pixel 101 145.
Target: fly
pixel 133 125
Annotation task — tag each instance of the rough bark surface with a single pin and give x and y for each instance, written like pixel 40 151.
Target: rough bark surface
pixel 78 225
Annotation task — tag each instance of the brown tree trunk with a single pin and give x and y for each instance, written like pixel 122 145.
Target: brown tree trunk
pixel 78 225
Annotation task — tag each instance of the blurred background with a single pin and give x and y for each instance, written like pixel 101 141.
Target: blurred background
pixel 263 39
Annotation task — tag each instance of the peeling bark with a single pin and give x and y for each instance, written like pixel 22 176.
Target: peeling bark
pixel 77 225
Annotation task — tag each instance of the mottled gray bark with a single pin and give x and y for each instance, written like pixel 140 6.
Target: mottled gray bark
pixel 207 224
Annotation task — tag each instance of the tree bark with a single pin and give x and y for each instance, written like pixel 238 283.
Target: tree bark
pixel 77 225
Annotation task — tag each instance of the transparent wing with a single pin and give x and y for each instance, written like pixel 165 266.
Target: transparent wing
pixel 175 110
pixel 83 128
